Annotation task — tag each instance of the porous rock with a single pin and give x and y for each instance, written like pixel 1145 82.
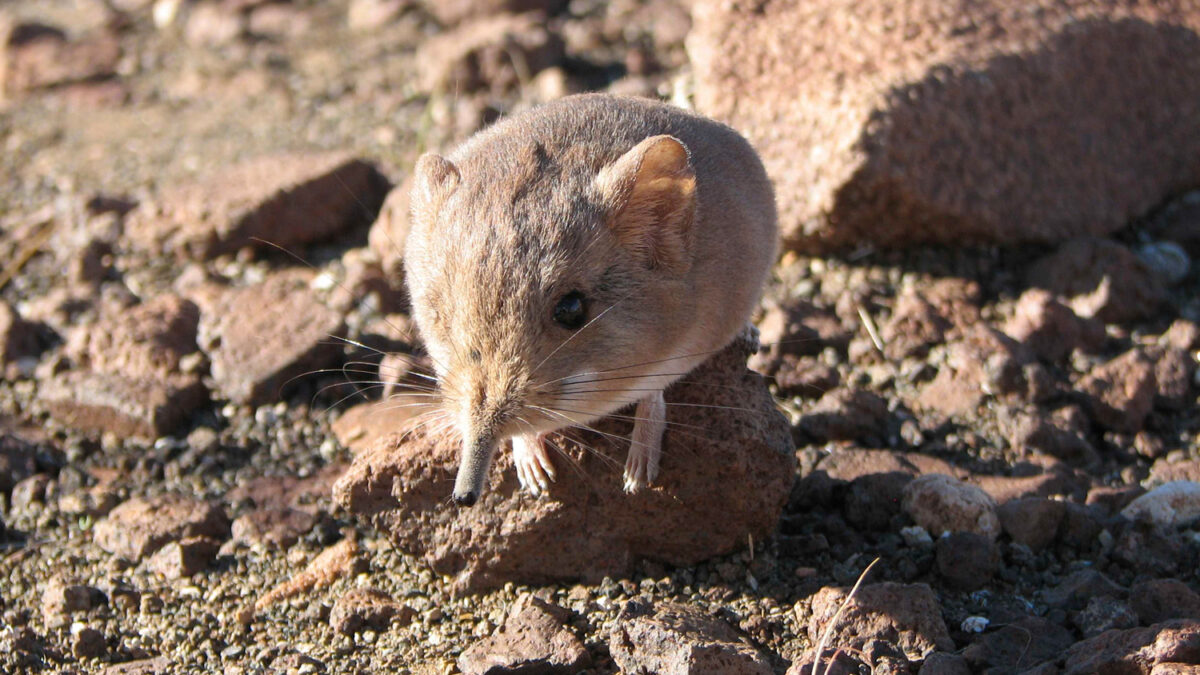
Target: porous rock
pixel 983 361
pixel 1170 504
pixel 1136 650
pixel 483 53
pixel 677 639
pixel 955 122
pixel 941 504
pixel 36 56
pixel 967 560
pixel 141 526
pixel 1018 646
pixel 533 639
pixel 259 337
pixel 122 405
pixel 1120 393
pixel 147 340
pixel 450 12
pixel 715 488
pixel 368 609
pixel 286 200
pixel 1101 278
pixel 183 558
pixel 907 615
pixel 1051 329
pixel 1157 600
pixel 17 336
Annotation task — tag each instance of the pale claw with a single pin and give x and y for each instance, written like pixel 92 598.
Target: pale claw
pixel 535 471
pixel 645 444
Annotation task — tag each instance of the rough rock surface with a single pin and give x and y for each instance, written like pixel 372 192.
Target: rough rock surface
pixel 943 504
pixel 140 526
pixel 482 53
pixel 368 609
pixel 906 615
pixel 1170 504
pixel 533 639
pixel 868 117
pixel 715 488
pixel 675 639
pixel 1101 279
pixel 125 406
pixel 260 337
pixel 1049 328
pixel 1136 650
pixel 286 200
pixel 37 56
pixel 1120 393
pixel 1019 646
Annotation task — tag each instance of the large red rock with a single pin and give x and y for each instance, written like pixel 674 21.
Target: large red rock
pixel 142 526
pixel 934 120
pixel 286 200
pixel 533 639
pixel 727 468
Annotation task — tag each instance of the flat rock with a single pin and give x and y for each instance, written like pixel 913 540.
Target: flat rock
pixel 260 337
pixel 1101 278
pixel 907 615
pixel 141 526
pixel 1136 650
pixel 368 609
pixel 1120 393
pixel 853 463
pixel 676 639
pixel 287 200
pixel 983 122
pixel 1170 504
pixel 533 639
pixel 942 504
pixel 715 488
pixel 122 405
pixel 36 56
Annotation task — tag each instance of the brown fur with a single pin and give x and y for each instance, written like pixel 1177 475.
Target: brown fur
pixel 663 219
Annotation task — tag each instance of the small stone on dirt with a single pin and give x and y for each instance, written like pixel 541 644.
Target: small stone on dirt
pixel 678 639
pixel 368 609
pixel 533 639
pixel 941 504
pixel 141 526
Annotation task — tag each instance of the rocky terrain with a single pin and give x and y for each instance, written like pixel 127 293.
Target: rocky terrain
pixel 978 367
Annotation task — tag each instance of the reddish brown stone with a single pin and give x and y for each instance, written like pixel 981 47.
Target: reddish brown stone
pixel 287 492
pixel 1019 646
pixel 800 329
pixel 713 490
pixel 335 562
pixel 260 337
pixel 942 504
pixel 1158 600
pixel 983 362
pixel 35 56
pixel 1174 372
pixel 124 406
pixel 365 424
pixel 389 232
pixel 534 638
pixel 1032 521
pixel 18 338
pixel 480 54
pixel 183 558
pixel 914 327
pixel 1056 435
pixel 1136 650
pixel 145 341
pixel 1103 279
pixel 1183 334
pixel 60 599
pixel 286 200
pixel 1121 392
pixel 450 12
pixel 853 463
pixel 676 638
pixel 368 609
pixel 1050 328
pixel 847 414
pixel 957 123
pixel 140 526
pixel 272 527
pixel 906 615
